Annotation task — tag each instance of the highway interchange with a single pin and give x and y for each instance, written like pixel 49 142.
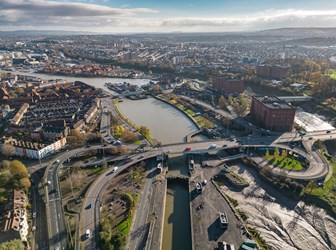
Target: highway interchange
pixel 90 217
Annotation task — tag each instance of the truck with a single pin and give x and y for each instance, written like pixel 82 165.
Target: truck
pixel 223 220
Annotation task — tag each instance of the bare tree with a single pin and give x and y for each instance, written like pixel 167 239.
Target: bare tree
pixel 7 149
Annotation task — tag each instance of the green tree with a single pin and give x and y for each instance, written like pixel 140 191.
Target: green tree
pixel 145 132
pixel 267 154
pixel 13 244
pixel 276 153
pixel 18 170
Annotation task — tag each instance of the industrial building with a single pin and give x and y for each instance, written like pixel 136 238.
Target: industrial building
pixel 272 113
pixel 228 86
pixel 271 71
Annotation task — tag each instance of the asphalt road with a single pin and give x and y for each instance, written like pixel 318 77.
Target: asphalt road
pixel 57 234
pixel 90 216
pixel 40 234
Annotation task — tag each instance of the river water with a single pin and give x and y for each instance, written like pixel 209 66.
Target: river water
pixel 177 232
pixel 167 124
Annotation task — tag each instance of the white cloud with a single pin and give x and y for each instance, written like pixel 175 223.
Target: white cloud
pixel 41 14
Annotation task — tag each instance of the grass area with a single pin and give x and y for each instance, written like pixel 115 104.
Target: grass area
pixel 125 225
pixel 202 121
pixel 332 73
pixel 328 191
pixel 285 162
pixel 98 170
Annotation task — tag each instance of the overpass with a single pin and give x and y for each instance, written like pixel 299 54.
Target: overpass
pixel 318 169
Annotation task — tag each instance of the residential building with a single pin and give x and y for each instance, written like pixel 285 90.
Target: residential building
pixel 272 113
pixel 178 59
pixel 14 219
pixel 18 116
pixel 36 150
pixel 228 86
pixel 271 71
pixel 90 113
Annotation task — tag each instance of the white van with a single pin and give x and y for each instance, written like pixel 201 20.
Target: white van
pixel 87 233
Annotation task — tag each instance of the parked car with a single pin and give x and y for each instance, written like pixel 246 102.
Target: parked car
pixel 188 149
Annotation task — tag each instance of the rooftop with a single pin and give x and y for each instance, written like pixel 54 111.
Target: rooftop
pixel 273 102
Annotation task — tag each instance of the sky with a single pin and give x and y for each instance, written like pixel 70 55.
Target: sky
pixel 133 16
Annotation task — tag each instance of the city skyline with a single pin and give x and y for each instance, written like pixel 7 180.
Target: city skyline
pixel 131 16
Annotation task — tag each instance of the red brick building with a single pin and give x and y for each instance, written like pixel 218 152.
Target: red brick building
pixel 272 113
pixel 271 71
pixel 228 86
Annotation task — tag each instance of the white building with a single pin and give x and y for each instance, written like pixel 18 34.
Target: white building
pixel 36 150
pixel 178 59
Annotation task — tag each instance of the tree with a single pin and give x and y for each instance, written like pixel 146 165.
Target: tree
pixel 267 154
pixel 24 183
pixel 222 102
pixel 276 153
pixel 123 150
pixel 284 153
pixel 8 149
pixel 5 164
pixel 5 176
pixel 311 185
pixel 18 170
pixel 145 132
pixel 129 136
pixel 13 244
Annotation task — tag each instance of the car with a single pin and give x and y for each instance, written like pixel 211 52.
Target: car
pixel 188 149
pixel 52 191
pixel 48 183
pixel 88 146
pixel 33 228
pixel 34 215
pixel 328 132
pixel 250 124
pixel 128 160
pixel 213 146
pixel 225 145
pixel 58 161
pixel 114 169
pixel 87 233
pixel 310 138
pixel 88 206
pixel 141 156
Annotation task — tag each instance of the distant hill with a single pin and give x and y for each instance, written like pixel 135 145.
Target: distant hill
pixel 299 32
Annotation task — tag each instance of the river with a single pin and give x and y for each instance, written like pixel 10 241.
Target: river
pixel 177 232
pixel 97 82
pixel 167 124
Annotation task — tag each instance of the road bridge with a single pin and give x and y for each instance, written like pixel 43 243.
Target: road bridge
pixel 317 169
